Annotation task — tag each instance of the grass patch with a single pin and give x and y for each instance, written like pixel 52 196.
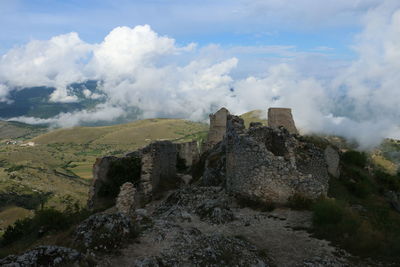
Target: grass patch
pixel 357 217
pixel 25 232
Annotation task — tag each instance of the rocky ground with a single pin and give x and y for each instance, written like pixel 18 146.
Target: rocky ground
pixel 202 226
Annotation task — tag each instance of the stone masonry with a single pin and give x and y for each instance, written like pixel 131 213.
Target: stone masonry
pixel 189 153
pixel 270 165
pixel 217 128
pixel 126 199
pixel 158 166
pixel 148 169
pixel 281 117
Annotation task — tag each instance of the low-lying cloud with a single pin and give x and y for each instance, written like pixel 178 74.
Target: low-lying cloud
pixel 138 68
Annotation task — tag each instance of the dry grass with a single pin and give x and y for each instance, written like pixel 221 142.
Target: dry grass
pixel 384 163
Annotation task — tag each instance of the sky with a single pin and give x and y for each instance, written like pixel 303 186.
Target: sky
pixel 334 62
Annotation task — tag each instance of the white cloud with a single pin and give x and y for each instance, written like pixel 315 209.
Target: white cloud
pixel 102 113
pixel 54 63
pixel 139 68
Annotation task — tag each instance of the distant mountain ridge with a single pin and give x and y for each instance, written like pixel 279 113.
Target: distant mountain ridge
pixel 35 101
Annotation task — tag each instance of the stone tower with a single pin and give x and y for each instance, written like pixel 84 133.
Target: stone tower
pixel 217 127
pixel 281 117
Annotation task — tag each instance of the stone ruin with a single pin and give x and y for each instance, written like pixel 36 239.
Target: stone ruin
pixel 281 117
pixel 217 128
pixel 149 170
pixel 268 164
pixel 264 164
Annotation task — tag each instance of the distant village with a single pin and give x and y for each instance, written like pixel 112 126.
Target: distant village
pixel 17 142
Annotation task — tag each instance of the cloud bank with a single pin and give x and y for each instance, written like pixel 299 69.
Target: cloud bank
pixel 140 69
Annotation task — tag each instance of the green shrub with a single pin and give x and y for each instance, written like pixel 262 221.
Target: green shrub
pixel 44 221
pixel 15 168
pixel 355 173
pixel 356 158
pixel 16 231
pixel 51 219
pixel 328 212
pixel 390 182
pixel 362 189
pixel 300 202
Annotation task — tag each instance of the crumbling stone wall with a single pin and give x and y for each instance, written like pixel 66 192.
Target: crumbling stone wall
pixel 158 166
pixel 126 200
pixel 188 154
pixel 256 173
pixel 281 117
pixel 217 128
pixel 148 169
pixel 109 173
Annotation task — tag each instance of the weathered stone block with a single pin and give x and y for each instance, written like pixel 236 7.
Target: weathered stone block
pixel 332 159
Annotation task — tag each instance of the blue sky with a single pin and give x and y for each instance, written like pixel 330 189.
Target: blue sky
pixel 303 24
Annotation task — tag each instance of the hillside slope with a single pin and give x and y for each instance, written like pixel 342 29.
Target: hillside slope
pixel 130 133
pixel 18 130
pixel 58 169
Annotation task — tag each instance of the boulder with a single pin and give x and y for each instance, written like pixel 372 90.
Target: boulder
pixel 332 159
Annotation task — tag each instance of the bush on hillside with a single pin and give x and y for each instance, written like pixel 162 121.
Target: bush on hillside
pixel 390 182
pixel 356 158
pixel 44 221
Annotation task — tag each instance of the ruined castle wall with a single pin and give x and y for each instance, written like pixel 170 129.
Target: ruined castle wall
pixel 109 173
pixel 158 166
pixel 217 127
pixel 256 173
pixel 188 152
pixel 281 117
pixel 146 169
pixel 100 169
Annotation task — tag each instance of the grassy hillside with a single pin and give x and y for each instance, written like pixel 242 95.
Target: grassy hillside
pixel 18 130
pixel 130 133
pixel 254 116
pixel 58 169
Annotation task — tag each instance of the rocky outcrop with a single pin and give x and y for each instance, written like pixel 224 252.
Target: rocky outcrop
pixel 205 226
pixel 104 232
pixel 281 117
pixel 45 256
